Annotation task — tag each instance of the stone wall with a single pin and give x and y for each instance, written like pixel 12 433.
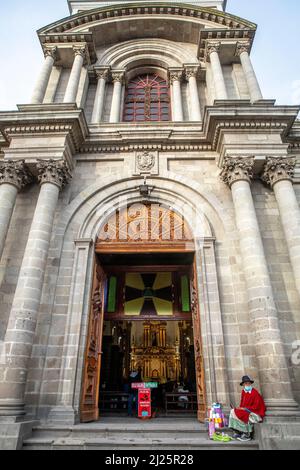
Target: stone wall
pixel 45 369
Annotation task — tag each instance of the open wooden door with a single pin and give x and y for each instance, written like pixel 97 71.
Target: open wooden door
pixel 91 379
pixel 199 363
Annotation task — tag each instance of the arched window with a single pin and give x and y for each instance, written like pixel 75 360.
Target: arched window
pixel 147 99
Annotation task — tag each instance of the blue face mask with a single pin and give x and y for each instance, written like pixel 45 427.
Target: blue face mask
pixel 248 388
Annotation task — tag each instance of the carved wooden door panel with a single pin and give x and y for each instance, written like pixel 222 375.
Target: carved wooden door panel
pixel 91 380
pixel 199 364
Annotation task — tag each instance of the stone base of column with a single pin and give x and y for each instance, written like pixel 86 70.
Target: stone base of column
pixel 282 409
pixel 13 433
pixel 12 409
pixel 65 415
pixel 277 435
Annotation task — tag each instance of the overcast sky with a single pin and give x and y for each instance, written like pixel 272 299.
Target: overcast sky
pixel 275 55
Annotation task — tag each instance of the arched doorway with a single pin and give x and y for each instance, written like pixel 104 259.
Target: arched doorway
pixel 144 280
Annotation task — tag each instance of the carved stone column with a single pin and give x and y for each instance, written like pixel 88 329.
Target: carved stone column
pixel 115 113
pixel 24 312
pixel 102 76
pixel 212 52
pixel 43 80
pixel 73 83
pixel 191 76
pixel 14 175
pixel 278 173
pixel 176 79
pixel 242 51
pixel 273 372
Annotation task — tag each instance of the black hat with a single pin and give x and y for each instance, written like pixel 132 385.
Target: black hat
pixel 245 379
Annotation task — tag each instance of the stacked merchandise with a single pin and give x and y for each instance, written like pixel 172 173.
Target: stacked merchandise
pixel 216 419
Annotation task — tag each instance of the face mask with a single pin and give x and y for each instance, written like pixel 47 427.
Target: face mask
pixel 248 388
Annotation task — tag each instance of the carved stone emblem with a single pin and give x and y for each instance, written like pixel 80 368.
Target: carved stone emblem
pixel 145 161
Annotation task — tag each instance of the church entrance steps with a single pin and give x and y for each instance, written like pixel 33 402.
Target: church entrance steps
pixel 129 433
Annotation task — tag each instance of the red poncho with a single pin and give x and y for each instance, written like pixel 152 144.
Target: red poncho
pixel 254 402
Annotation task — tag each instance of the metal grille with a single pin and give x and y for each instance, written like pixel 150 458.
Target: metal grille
pixel 147 99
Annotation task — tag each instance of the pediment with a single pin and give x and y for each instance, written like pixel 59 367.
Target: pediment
pixel 181 23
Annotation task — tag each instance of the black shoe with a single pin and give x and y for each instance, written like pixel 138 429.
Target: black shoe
pixel 244 438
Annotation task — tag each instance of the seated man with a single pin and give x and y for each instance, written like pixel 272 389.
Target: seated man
pixel 252 410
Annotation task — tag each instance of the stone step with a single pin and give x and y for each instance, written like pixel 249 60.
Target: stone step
pixel 119 428
pixel 138 443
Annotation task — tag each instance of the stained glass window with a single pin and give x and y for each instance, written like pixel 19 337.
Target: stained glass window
pixel 147 99
pixel 185 294
pixel 112 295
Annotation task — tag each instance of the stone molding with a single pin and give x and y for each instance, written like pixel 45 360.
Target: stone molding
pixel 15 173
pixel 242 47
pixel 130 148
pixel 54 172
pixel 278 169
pixel 223 20
pixel 50 51
pixel 237 169
pixel 246 126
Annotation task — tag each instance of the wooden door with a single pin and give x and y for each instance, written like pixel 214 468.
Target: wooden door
pixel 199 363
pixel 91 379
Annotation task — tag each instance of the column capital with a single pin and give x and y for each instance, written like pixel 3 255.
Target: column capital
pixel 175 75
pixel 15 173
pixel 102 73
pixel 242 47
pixel 50 51
pixel 118 76
pixel 80 49
pixel 278 169
pixel 237 169
pixel 53 171
pixel 191 71
pixel 212 47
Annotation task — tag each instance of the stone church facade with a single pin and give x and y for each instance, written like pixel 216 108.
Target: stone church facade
pixel 148 103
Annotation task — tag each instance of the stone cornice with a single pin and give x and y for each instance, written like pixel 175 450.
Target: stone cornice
pixel 240 116
pixel 70 40
pixel 213 36
pixel 94 148
pixel 46 119
pixel 222 19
